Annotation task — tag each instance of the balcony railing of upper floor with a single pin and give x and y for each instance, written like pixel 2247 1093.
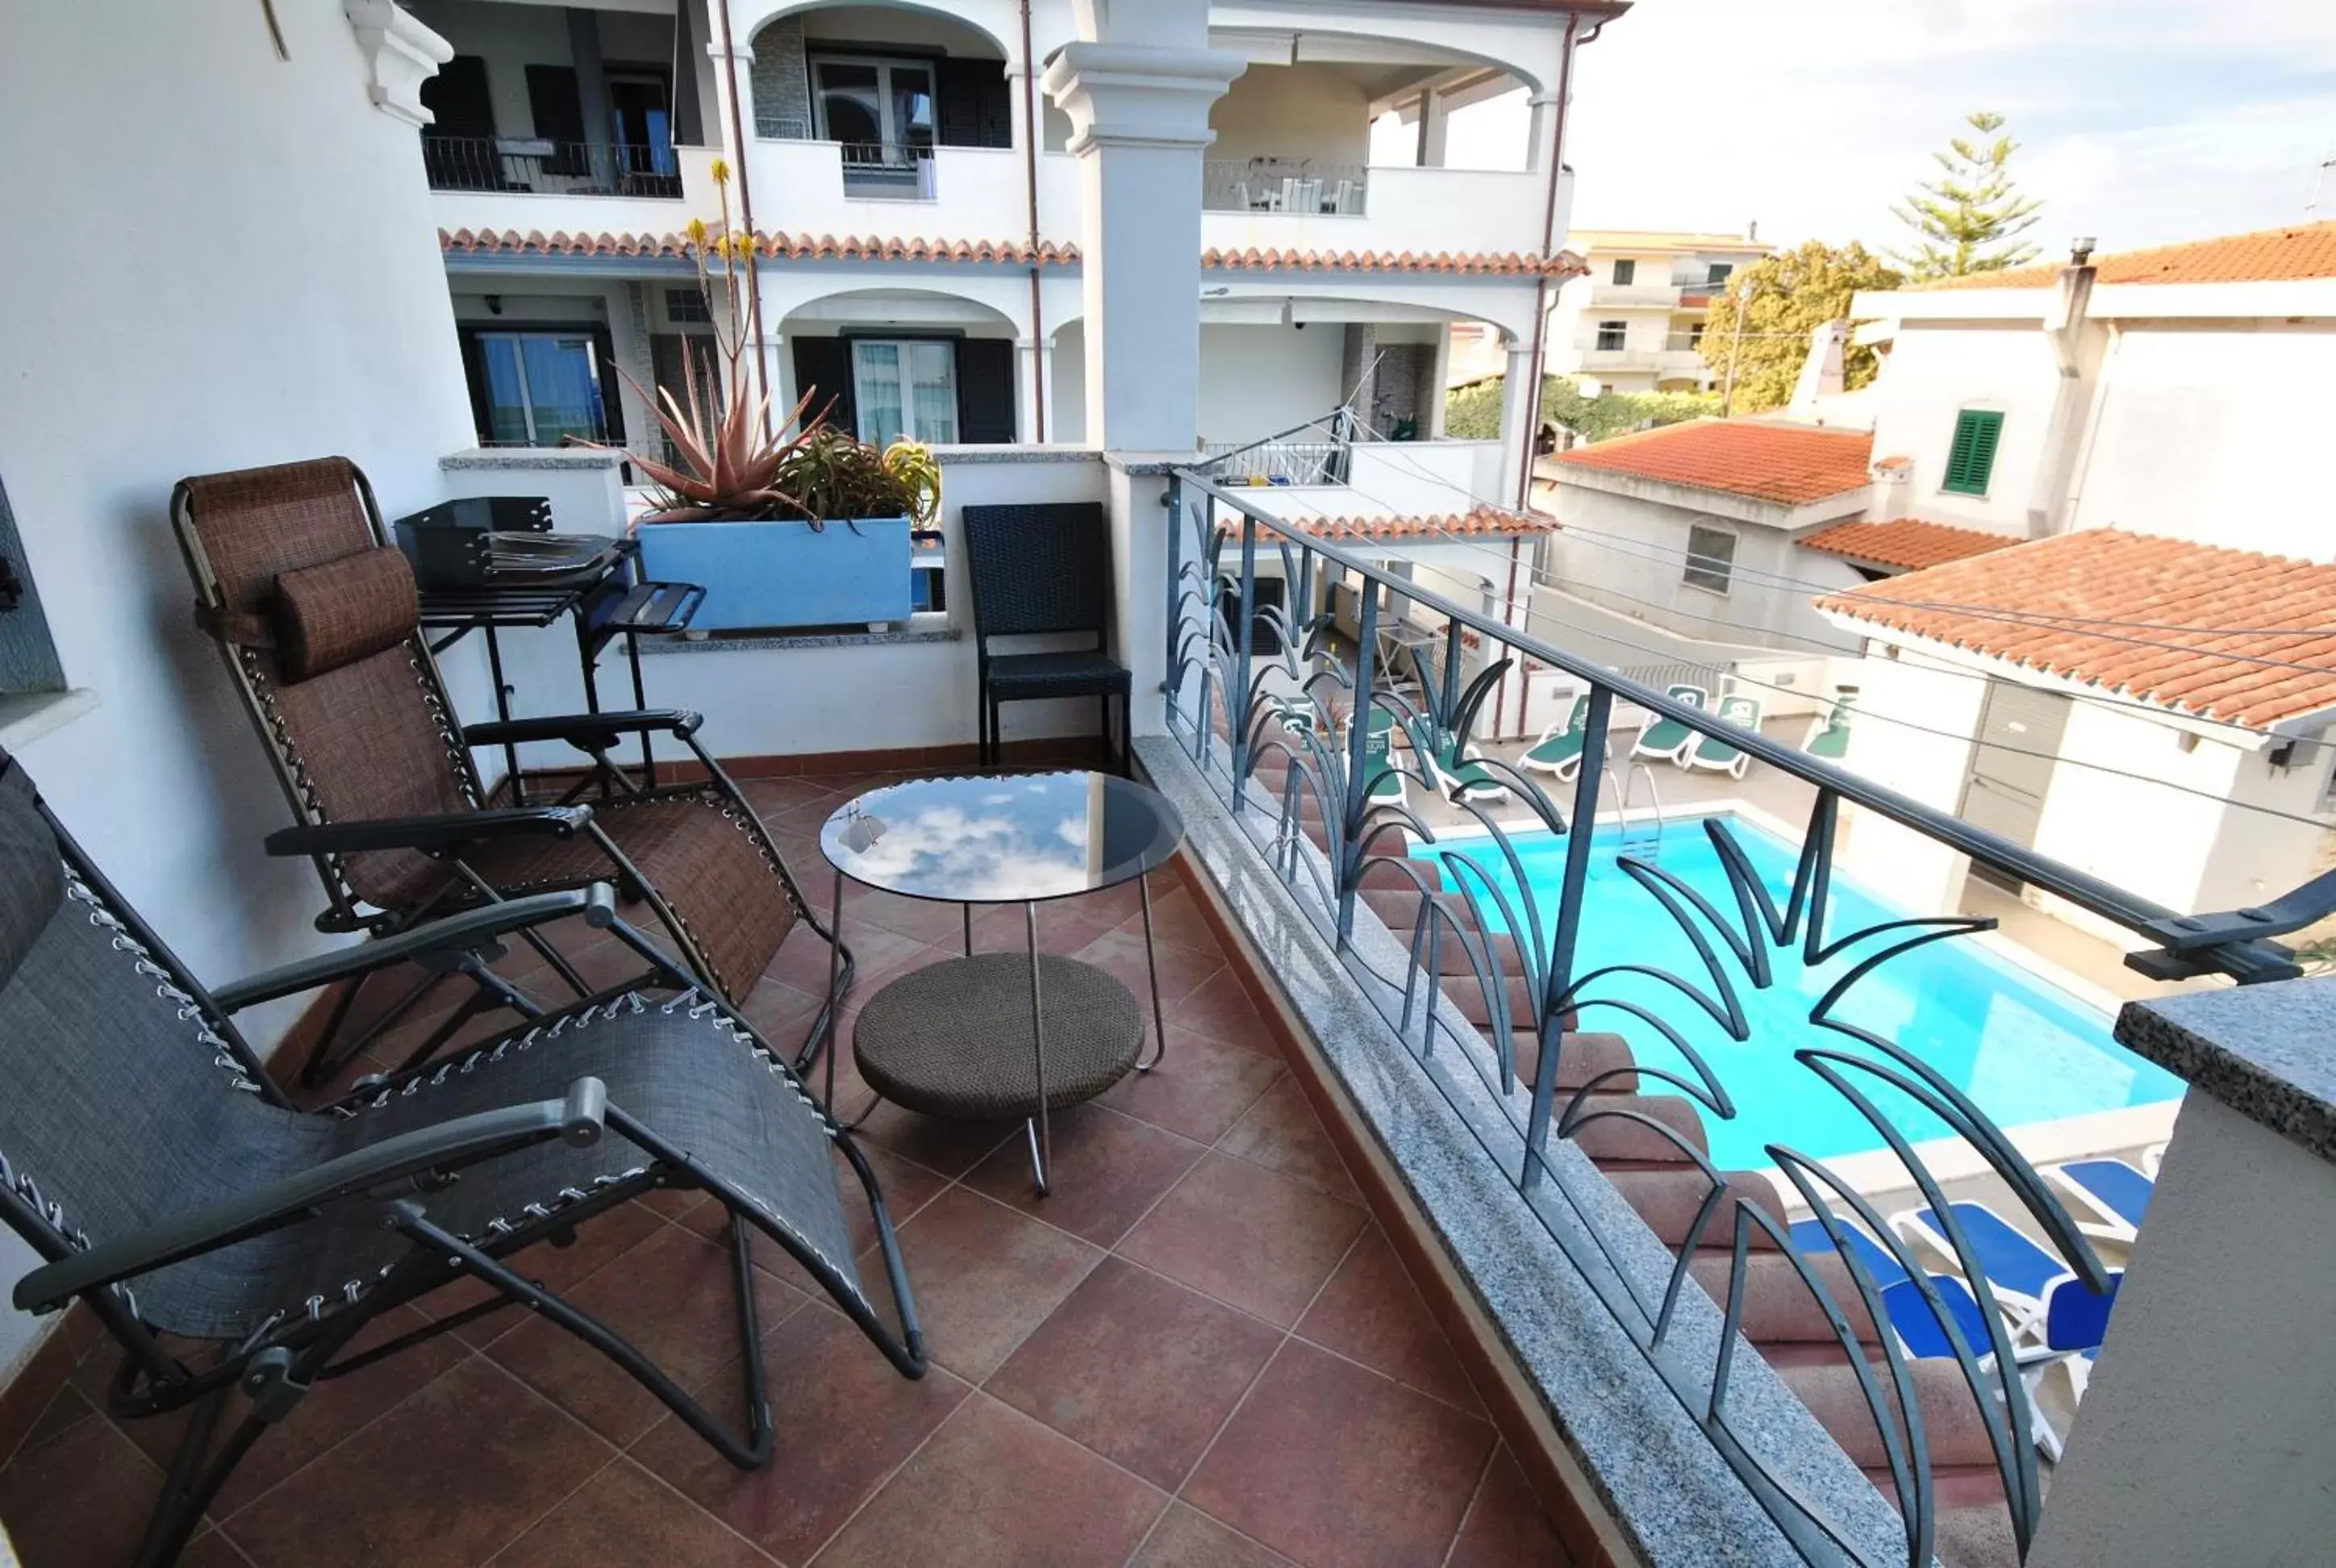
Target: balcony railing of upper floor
pixel 1284 185
pixel 543 167
pixel 1489 974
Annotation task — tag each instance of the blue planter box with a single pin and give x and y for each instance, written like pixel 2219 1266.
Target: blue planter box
pixel 786 574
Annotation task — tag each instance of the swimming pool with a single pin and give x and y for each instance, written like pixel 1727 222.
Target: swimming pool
pixel 2025 1049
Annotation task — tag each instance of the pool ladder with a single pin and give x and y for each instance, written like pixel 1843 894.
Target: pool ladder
pixel 1639 837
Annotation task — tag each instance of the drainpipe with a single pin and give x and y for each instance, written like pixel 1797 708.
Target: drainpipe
pixel 1031 128
pixel 1548 244
pixel 747 217
pixel 1508 614
pixel 2065 332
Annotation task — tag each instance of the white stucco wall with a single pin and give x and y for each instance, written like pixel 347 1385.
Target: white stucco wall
pixel 1629 553
pixel 2198 432
pixel 299 310
pixel 1918 872
pixel 1259 380
pixel 1292 112
pixel 1938 369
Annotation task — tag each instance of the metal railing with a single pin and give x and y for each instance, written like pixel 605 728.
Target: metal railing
pixel 1277 462
pixel 1479 973
pixel 782 127
pixel 900 171
pixel 546 167
pixel 1284 185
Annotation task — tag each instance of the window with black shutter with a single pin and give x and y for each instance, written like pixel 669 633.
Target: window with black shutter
pixel 823 369
pixel 976 110
pixel 556 104
pixel 985 390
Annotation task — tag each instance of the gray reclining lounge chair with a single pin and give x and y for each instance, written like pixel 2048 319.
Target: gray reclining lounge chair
pixel 147 1158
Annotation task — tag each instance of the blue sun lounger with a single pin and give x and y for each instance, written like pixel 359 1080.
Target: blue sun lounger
pixel 1910 1317
pixel 2117 1194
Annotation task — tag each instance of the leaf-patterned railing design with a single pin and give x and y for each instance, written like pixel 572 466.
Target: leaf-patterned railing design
pixel 1487 971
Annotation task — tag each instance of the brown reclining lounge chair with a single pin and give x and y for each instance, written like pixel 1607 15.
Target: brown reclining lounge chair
pixel 315 613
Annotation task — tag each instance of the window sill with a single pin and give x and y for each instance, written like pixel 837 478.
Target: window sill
pixel 28 716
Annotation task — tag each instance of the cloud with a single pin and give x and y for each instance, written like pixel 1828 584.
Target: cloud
pixel 2140 121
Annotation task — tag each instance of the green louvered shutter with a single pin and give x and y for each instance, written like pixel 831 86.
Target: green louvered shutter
pixel 1971 456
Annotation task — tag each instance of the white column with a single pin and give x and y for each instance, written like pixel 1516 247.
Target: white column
pixel 1434 121
pixel 718 134
pixel 1029 372
pixel 1516 413
pixel 1138 86
pixel 1542 134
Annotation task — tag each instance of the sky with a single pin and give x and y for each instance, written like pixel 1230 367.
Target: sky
pixel 2140 121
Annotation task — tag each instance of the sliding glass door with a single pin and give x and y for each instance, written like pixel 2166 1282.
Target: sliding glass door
pixel 541 386
pixel 904 388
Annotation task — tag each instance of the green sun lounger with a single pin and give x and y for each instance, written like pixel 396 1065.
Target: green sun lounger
pixel 1559 750
pixel 1669 738
pixel 1829 731
pixel 1383 781
pixel 1713 753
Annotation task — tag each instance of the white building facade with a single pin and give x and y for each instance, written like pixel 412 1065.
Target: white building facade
pixel 1634 320
pixel 918 192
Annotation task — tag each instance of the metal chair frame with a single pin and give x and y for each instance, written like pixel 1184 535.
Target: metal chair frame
pixel 282 1361
pixel 325 841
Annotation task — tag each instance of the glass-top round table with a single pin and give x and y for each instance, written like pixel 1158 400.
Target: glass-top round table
pixel 994 1035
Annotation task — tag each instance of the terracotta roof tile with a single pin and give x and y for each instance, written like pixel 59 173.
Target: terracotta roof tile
pixel 2036 605
pixel 874 248
pixel 1483 523
pixel 2268 255
pixel 1792 464
pixel 777 246
pixel 1907 543
pixel 1564 264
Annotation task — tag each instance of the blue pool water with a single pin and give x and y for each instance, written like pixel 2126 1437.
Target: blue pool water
pixel 2023 1048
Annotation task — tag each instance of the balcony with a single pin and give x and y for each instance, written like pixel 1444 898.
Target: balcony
pixel 1292 186
pixel 1347 206
pixel 1634 296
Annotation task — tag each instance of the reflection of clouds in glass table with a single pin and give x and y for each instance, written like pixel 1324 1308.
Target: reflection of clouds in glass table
pixel 988 841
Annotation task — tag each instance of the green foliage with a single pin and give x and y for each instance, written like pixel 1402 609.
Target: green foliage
pixel 1473 413
pixel 1972 206
pixel 1792 294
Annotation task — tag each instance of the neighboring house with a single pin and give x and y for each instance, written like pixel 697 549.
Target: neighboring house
pixel 1632 321
pixel 2047 698
pixel 2162 390
pixel 1699 528
pixel 918 218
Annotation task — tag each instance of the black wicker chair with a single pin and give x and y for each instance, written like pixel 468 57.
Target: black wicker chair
pixel 1042 570
pixel 164 1179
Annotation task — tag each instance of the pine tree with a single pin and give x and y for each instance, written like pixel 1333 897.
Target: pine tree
pixel 1974 205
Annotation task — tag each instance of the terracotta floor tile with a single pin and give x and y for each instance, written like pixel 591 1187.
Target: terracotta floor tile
pixel 995 1489
pixel 907 1188
pixel 672 1298
pixel 598 1242
pixel 1187 1538
pixel 1108 1171
pixel 449 1477
pixel 80 1499
pixel 1219 1005
pixel 1334 1466
pixel 1175 918
pixel 940 925
pixel 1138 1369
pixel 1370 1312
pixel 781 1015
pixel 1247 1236
pixel 1063 928
pixel 337 1407
pixel 67 1409
pixel 803 958
pixel 1282 1133
pixel 772 797
pixel 1201 1088
pixel 984 1277
pixel 211 1549
pixel 1506 1526
pixel 1116 905
pixel 624 1517
pixel 1182 971
pixel 843 1420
